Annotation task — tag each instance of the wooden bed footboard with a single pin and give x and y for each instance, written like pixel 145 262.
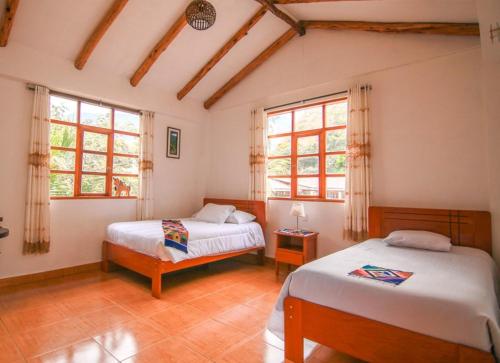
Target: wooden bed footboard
pixel 366 339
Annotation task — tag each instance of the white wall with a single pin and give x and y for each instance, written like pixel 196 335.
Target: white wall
pixel 78 226
pixel 427 134
pixel 489 14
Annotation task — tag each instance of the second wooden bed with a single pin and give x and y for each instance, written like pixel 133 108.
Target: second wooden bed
pixel 154 267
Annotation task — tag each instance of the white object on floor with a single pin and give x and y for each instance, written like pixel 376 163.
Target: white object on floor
pixel 204 238
pixel 450 296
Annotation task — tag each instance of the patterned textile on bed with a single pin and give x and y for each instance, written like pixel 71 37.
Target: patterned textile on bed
pixel 394 277
pixel 176 235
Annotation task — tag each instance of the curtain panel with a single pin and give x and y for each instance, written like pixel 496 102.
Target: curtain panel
pixel 37 218
pixel 257 190
pixel 358 171
pixel 145 197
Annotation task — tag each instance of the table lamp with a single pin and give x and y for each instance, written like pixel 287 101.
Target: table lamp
pixel 297 210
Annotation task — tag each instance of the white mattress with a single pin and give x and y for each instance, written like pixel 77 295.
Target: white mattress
pixel 204 238
pixel 450 296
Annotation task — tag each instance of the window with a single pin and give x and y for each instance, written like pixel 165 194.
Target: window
pixel 307 152
pixel 94 150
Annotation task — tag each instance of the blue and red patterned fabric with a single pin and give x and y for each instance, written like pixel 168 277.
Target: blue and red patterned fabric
pixel 176 235
pixel 394 277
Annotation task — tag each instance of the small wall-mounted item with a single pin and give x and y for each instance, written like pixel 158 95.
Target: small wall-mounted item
pixel 495 32
pixel 173 143
pixel 4 232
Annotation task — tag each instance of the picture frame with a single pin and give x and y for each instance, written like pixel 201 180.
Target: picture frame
pixel 173 143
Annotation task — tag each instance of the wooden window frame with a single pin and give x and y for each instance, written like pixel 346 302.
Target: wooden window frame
pixel 79 151
pixel 322 153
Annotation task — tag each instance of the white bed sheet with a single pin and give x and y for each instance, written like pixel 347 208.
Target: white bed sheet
pixel 451 295
pixel 204 238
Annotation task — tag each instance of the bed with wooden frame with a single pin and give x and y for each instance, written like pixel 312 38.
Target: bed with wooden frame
pixel 154 267
pixel 374 341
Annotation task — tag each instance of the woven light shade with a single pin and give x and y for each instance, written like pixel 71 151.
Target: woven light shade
pixel 200 14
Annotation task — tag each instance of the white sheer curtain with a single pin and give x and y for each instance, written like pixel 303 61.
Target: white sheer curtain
pixel 145 197
pixel 258 132
pixel 358 173
pixel 37 219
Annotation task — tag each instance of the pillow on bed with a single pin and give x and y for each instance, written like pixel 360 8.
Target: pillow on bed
pixel 423 240
pixel 214 213
pixel 240 217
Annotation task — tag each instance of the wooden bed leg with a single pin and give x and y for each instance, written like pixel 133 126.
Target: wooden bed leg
pixel 105 261
pixel 294 342
pixel 261 256
pixel 156 284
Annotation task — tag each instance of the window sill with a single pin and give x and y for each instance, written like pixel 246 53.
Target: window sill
pixel 309 200
pixel 91 197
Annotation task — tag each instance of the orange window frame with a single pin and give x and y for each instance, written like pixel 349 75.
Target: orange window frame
pixel 322 153
pixel 79 151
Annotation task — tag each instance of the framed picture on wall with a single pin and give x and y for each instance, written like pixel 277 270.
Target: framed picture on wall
pixel 173 143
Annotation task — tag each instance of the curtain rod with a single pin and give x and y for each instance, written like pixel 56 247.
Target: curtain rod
pixel 312 99
pixel 31 87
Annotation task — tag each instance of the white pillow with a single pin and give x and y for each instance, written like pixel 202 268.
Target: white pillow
pixel 419 239
pixel 214 213
pixel 240 217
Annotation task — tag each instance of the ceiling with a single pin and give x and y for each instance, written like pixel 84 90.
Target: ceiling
pixel 60 28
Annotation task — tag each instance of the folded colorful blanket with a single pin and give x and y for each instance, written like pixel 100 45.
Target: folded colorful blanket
pixel 176 235
pixel 394 277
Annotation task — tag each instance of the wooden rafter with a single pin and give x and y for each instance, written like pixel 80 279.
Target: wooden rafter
pixel 297 26
pixel 8 21
pixel 250 67
pixel 406 27
pixel 159 48
pixel 222 52
pixel 283 2
pixel 99 32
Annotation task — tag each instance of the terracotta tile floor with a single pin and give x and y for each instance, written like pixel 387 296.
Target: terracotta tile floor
pixel 212 315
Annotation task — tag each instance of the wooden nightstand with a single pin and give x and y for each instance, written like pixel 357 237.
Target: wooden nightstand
pixel 294 249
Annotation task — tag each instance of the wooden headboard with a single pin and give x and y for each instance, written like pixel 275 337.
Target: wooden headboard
pixel 255 207
pixel 465 228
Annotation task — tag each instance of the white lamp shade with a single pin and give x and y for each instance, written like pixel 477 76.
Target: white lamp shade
pixel 297 210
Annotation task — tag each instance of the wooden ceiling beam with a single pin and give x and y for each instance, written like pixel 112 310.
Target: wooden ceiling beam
pixel 250 67
pixel 284 2
pixel 468 29
pixel 222 52
pixel 99 32
pixel 8 21
pixel 297 26
pixel 159 48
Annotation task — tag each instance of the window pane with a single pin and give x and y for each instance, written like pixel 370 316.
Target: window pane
pixel 308 186
pixel 63 109
pixel 94 115
pixel 94 163
pixel 62 135
pixel 279 124
pixel 125 144
pixel 94 141
pixel 335 164
pixel 308 145
pixel 126 121
pixel 336 114
pixel 125 186
pixel 93 184
pixel 62 160
pixel 335 188
pixel 336 140
pixel 279 146
pixel 308 165
pixel 279 187
pixel 62 185
pixel 125 165
pixel 309 118
pixel 279 167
